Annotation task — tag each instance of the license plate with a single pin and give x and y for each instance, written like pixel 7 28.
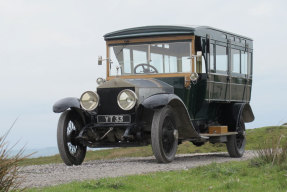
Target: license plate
pixel 114 118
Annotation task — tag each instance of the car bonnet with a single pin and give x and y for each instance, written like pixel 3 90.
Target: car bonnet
pixel 144 88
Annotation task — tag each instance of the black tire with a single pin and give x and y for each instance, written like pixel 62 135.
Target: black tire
pixel 68 127
pixel 164 136
pixel 236 143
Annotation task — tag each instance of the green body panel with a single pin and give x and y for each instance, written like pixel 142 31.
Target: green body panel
pixel 178 85
pixel 204 98
pixel 193 97
pixel 229 89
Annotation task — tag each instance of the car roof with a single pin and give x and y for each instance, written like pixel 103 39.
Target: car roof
pixel 162 30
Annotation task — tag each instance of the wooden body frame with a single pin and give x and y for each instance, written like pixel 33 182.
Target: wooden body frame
pixel 153 40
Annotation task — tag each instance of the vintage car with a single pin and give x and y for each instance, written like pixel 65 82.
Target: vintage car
pixel 164 85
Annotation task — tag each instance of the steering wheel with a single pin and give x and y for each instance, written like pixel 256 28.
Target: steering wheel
pixel 146 68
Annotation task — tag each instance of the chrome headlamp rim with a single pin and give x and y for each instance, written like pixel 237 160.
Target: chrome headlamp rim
pixel 134 96
pixel 100 80
pixel 194 76
pixel 95 94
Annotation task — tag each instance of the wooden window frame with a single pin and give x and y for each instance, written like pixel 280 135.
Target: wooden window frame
pixel 149 40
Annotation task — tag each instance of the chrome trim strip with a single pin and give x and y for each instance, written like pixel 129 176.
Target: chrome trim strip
pixel 227 83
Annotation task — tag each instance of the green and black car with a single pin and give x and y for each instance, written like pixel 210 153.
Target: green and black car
pixel 164 85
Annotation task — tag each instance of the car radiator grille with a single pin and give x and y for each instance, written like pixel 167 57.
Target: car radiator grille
pixel 108 101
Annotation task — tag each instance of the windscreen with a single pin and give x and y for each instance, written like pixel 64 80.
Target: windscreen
pixel 164 57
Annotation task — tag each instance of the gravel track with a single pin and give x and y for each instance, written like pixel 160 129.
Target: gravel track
pixel 54 174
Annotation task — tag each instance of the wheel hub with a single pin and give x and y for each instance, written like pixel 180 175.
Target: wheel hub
pixel 71 132
pixel 175 134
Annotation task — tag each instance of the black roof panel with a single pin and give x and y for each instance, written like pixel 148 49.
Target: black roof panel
pixel 162 30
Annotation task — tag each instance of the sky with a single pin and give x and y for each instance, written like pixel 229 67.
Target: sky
pixel 49 50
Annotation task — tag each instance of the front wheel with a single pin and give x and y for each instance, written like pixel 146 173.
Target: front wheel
pixel 69 126
pixel 236 143
pixel 164 135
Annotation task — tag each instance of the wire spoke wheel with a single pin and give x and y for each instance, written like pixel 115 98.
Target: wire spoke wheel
pixel 239 140
pixel 69 125
pixel 236 143
pixel 164 136
pixel 71 133
pixel 168 135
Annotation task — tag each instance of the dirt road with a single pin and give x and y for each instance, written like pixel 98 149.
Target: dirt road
pixel 54 174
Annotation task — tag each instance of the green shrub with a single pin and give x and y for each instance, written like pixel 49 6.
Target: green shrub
pixel 9 169
pixel 272 151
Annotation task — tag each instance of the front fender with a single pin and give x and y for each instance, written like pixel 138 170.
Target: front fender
pixel 186 129
pixel 158 101
pixel 66 103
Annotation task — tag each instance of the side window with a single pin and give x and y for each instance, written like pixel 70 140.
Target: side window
pixel 235 61
pixel 243 62
pixel 212 68
pixel 200 64
pixel 221 59
pixel 249 63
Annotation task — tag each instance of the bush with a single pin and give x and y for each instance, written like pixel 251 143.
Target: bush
pixel 9 179
pixel 272 151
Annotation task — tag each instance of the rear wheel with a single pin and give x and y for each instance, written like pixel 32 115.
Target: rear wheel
pixel 236 143
pixel 164 135
pixel 71 152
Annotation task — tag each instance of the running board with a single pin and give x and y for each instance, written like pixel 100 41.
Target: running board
pixel 217 135
pixel 217 138
pixel 203 137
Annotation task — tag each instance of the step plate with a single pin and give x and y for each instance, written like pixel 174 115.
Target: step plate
pixel 217 135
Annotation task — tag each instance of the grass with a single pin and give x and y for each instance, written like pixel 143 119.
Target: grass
pixel 232 176
pixel 272 151
pixel 255 137
pixel 9 164
pixel 8 167
pixel 258 174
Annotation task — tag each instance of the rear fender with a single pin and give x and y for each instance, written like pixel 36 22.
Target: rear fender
pixel 233 113
pixel 247 113
pixel 244 111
